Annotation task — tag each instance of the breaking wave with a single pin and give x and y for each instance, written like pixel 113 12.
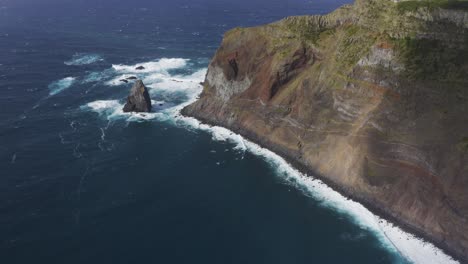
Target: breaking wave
pixel 173 91
pixel 181 90
pixel 112 109
pixel 163 64
pixel 83 59
pixel 93 77
pixel 150 72
pixel 392 237
pixel 61 85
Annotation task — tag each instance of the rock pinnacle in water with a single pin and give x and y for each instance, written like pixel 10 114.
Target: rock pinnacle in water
pixel 139 99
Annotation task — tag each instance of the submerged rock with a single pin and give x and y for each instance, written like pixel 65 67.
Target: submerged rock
pixel 140 68
pixel 123 80
pixel 139 99
pixel 132 78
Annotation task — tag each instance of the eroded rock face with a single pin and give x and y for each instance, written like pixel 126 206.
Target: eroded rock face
pixel 139 99
pixel 379 112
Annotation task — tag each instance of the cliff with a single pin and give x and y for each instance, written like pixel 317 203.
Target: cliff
pixel 372 98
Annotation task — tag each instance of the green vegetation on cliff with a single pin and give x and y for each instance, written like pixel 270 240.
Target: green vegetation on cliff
pixel 413 5
pixel 432 59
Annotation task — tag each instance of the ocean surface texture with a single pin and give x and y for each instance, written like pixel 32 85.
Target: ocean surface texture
pixel 83 182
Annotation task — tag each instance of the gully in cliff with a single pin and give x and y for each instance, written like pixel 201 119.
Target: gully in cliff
pixel 139 99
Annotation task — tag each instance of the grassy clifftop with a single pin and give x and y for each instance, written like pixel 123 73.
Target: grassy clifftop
pixel 414 5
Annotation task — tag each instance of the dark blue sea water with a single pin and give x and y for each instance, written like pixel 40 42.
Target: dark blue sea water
pixel 81 182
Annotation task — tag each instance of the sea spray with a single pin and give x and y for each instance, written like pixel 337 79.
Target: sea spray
pixel 151 72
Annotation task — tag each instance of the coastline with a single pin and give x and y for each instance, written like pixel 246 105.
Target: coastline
pixel 374 208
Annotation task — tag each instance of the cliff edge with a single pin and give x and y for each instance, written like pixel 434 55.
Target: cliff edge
pixel 372 98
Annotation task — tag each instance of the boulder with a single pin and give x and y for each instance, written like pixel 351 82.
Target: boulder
pixel 132 78
pixel 140 68
pixel 139 99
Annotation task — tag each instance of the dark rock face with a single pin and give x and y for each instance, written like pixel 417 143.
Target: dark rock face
pixel 139 99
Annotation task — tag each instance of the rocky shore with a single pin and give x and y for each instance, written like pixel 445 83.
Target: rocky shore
pixel 371 99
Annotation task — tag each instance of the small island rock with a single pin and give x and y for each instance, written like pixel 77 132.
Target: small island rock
pixel 140 68
pixel 139 99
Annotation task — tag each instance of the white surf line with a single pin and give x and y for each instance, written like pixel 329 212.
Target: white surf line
pixel 391 236
pixel 409 246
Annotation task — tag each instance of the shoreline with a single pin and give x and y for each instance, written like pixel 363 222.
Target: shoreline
pixel 348 194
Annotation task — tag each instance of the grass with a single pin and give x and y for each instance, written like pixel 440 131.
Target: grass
pixel 354 44
pixel 413 5
pixel 431 59
pixel 305 27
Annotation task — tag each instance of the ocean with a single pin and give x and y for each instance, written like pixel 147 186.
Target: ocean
pixel 83 182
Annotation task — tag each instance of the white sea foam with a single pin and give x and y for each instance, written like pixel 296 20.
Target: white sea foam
pixel 153 72
pixel 113 109
pixel 103 105
pixel 177 91
pixel 61 85
pixel 176 82
pixel 83 59
pixel 152 66
pixel 390 236
pixel 94 77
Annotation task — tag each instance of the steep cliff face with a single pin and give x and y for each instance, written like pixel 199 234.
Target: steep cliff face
pixel 372 98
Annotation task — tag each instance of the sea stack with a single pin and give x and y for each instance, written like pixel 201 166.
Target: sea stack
pixel 139 99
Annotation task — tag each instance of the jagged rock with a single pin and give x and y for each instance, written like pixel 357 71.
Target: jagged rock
pixel 123 80
pixel 139 68
pixel 139 99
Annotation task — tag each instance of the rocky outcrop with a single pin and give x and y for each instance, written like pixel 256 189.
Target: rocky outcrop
pixel 371 98
pixel 139 99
